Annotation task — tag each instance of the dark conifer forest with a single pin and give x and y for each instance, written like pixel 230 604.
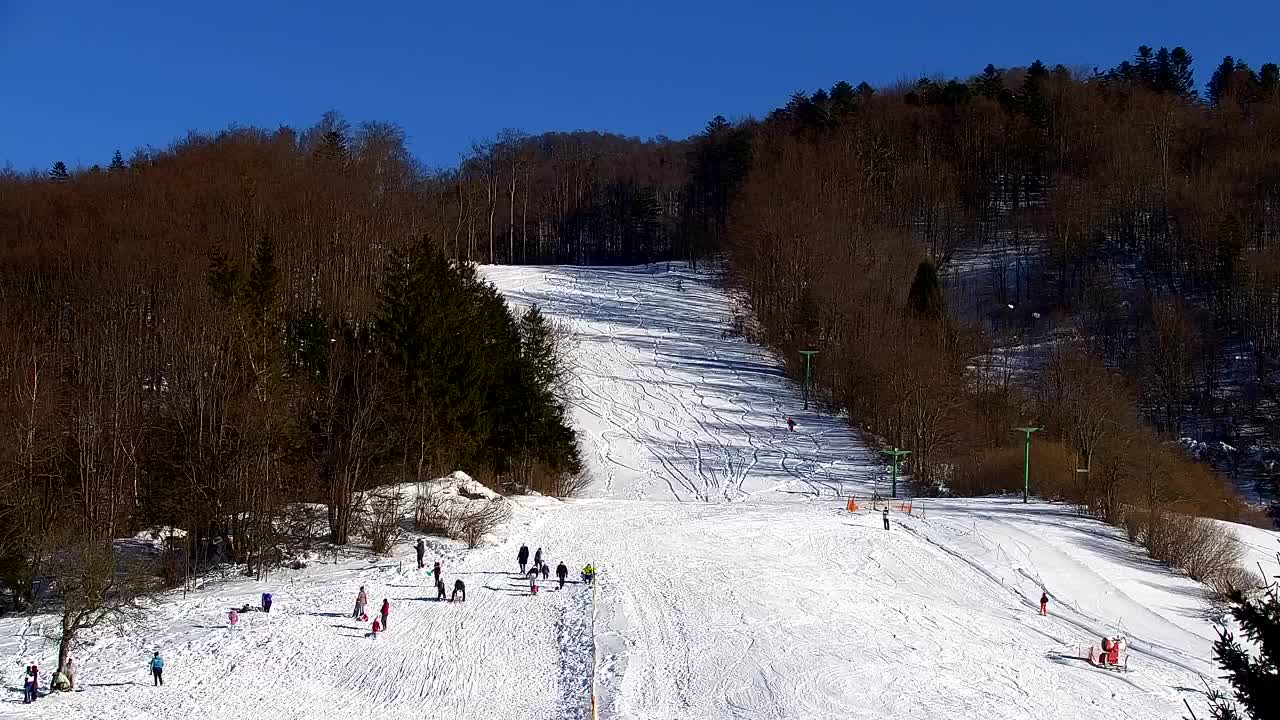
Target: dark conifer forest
pixel 198 336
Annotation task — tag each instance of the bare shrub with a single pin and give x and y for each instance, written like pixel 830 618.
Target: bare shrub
pixel 480 520
pixel 437 512
pixel 1207 551
pixel 382 518
pixel 429 514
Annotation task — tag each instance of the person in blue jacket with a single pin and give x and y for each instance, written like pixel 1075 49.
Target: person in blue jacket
pixel 157 670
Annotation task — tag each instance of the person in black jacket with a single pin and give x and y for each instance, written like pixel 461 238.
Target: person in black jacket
pixel 537 558
pixel 422 550
pixel 458 587
pixel 562 572
pixel 523 557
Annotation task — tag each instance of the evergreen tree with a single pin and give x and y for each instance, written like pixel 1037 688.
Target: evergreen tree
pixel 117 163
pixel 1183 82
pixel 1032 98
pixel 990 84
pixel 1269 81
pixel 844 100
pixel 1256 680
pixel 1231 78
pixel 59 172
pixel 925 296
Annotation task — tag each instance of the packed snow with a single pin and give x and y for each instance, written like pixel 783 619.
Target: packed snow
pixel 733 581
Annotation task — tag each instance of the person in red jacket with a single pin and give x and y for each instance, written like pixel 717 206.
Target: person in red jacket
pixel 386 610
pixel 377 628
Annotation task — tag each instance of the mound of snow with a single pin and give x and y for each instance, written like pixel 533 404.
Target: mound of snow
pixel 458 506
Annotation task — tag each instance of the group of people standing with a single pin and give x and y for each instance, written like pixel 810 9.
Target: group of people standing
pixel 63 680
pixel 362 602
pixel 540 568
pixel 437 572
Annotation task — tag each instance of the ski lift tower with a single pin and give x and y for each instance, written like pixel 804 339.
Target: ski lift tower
pixel 1026 460
pixel 897 455
pixel 808 355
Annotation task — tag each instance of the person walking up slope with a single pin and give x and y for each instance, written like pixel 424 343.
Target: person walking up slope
pixel 1044 603
pixel 562 572
pixel 157 670
pixel 537 558
pixel 523 557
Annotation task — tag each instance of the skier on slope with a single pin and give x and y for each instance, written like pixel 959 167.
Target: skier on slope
pixel 523 557
pixel 562 572
pixel 422 551
pixel 1044 603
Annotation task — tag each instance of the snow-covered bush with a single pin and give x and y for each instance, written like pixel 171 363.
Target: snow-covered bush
pixel 460 508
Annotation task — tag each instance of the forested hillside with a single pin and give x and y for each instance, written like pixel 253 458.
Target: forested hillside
pixel 204 337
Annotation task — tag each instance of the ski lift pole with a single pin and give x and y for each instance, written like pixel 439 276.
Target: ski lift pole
pixel 1026 460
pixel 897 455
pixel 808 356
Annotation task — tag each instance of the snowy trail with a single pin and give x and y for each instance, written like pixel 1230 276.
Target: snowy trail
pixel 733 583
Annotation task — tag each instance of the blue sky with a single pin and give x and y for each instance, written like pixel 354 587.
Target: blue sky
pixel 80 79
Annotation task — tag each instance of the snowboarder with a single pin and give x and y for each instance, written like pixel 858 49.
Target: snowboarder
pixel 458 587
pixel 537 558
pixel 791 424
pixel 1044 603
pixel 562 572
pixel 266 602
pixel 157 670
pixel 386 610
pixel 361 601
pixel 546 572
pixel 233 617
pixel 523 557
pixel 533 580
pixel 440 595
pixel 588 574
pixel 422 550
pixel 886 517
pixel 376 629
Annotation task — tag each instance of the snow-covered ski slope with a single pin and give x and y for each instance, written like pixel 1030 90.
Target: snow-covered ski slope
pixel 668 404
pixel 733 582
